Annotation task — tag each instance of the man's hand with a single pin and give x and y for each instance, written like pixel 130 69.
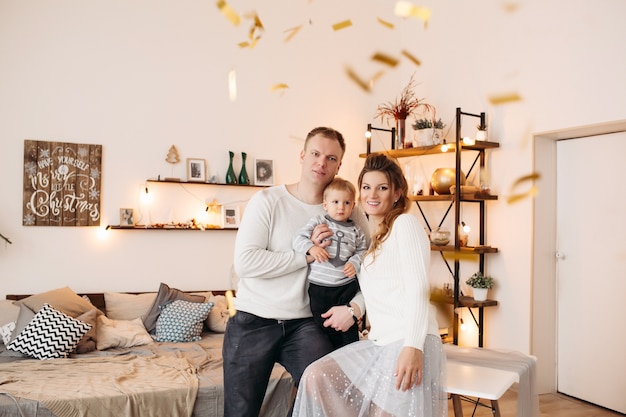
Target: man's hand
pixel 321 232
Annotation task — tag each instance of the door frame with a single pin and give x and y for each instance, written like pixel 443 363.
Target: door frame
pixel 543 262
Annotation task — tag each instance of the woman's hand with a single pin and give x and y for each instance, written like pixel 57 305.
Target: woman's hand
pixel 321 232
pixel 409 369
pixel 340 318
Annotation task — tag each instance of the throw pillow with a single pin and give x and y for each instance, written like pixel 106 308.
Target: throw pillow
pixel 120 333
pixel 165 295
pixel 181 321
pixel 88 342
pixel 8 311
pixel 6 331
pixel 50 334
pixel 121 306
pixel 62 299
pixel 218 317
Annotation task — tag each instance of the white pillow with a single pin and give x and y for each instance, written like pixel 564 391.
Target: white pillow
pixel 120 306
pixel 50 334
pixel 121 333
pixel 6 331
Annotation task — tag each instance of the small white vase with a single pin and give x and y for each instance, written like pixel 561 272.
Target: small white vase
pixel 480 294
pixel 423 137
pixel 481 135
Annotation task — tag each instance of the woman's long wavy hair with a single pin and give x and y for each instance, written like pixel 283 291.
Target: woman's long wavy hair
pixel 395 177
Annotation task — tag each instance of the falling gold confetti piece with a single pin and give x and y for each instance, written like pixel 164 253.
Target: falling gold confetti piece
pixel 363 84
pixel 385 59
pixel 514 198
pixel 504 98
pixel 510 7
pixel 280 86
pixel 228 12
pixel 408 9
pixel 292 32
pixel 342 25
pixel 229 302
pixel 385 23
pixel 411 58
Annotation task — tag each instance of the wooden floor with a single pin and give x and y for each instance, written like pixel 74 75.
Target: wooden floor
pixel 550 405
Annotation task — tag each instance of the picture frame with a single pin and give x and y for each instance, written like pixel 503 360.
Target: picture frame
pixel 127 217
pixel 263 172
pixel 232 217
pixel 196 170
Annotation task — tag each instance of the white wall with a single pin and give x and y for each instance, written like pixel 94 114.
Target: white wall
pixel 140 76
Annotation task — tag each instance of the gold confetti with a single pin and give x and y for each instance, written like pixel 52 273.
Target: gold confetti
pixel 514 198
pixel 342 25
pixel 280 86
pixel 504 98
pixel 228 12
pixel 385 23
pixel 230 304
pixel 411 58
pixel 385 59
pixel 510 7
pixel 244 44
pixel 408 9
pixel 292 32
pixel 363 84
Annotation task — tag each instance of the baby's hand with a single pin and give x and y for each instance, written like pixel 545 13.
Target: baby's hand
pixel 319 254
pixel 349 270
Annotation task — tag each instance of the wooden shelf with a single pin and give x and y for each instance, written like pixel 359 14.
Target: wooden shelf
pixel 435 149
pixel 450 197
pixel 464 249
pixel 118 227
pixel 172 181
pixel 464 301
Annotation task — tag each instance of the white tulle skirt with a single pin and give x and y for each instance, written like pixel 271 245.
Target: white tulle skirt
pixel 357 381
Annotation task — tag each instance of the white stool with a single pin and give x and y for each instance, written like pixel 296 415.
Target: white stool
pixel 477 381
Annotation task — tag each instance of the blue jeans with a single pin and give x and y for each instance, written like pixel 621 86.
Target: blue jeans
pixel 252 345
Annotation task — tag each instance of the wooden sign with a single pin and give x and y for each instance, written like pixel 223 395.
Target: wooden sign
pixel 61 184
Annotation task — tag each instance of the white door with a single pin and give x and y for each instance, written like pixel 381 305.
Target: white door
pixel 591 269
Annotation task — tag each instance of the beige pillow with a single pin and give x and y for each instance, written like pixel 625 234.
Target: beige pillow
pixel 8 312
pixel 121 333
pixel 218 316
pixel 62 299
pixel 120 306
pixel 88 341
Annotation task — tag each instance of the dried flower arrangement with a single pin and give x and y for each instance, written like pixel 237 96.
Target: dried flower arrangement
pixel 404 106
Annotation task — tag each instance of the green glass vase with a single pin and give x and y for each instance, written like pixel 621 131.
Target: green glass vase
pixel 231 178
pixel 243 174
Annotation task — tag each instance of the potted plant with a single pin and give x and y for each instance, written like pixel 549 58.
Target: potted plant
pixel 481 134
pixel 480 284
pixel 399 110
pixel 428 131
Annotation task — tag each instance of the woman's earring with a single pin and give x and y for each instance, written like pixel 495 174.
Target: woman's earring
pixel 395 203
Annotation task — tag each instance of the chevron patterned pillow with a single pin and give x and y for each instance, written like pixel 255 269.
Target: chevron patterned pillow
pixel 50 334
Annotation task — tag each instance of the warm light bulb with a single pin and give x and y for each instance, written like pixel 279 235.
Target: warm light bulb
pixel 466 227
pixel 444 147
pixel 368 134
pixel 468 141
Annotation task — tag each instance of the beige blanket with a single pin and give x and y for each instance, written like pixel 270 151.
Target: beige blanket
pixel 109 386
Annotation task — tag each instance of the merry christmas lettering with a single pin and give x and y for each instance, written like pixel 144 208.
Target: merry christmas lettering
pixel 62 184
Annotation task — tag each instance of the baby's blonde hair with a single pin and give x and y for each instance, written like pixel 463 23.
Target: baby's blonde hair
pixel 339 184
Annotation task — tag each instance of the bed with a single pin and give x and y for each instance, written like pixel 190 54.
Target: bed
pixel 157 378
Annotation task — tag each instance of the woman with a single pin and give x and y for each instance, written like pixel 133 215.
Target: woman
pixel 399 370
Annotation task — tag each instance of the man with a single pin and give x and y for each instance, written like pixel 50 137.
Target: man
pixel 273 321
